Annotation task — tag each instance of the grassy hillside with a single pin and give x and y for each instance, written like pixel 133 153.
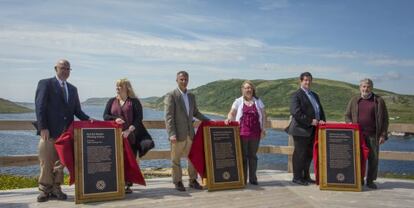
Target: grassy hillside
pixel 7 106
pixel 218 96
pixel 96 101
pixel 104 100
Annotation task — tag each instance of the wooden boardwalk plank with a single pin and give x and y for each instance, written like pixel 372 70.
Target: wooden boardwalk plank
pixel 275 190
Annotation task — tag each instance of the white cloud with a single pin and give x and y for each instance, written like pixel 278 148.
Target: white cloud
pixel 370 58
pixel 124 44
pixel 388 76
pixel 392 62
pixel 295 69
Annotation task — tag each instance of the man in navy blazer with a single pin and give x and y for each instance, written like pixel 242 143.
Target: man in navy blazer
pixel 307 113
pixel 57 102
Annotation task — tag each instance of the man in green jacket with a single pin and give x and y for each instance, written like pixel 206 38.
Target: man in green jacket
pixel 370 112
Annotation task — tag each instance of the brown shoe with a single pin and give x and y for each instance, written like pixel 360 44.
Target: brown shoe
pixel 58 194
pixel 42 197
pixel 179 186
pixel 195 185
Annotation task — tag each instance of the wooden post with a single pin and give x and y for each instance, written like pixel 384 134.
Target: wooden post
pixel 290 143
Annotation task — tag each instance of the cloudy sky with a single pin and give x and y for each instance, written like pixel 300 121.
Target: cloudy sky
pixel 149 41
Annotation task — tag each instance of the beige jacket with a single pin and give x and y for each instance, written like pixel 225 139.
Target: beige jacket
pixel 177 121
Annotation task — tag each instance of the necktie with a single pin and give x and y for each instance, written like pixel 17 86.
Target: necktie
pixel 314 104
pixel 65 96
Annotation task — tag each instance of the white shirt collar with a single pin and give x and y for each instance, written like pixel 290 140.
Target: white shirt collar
pixel 305 90
pixel 183 93
pixel 60 81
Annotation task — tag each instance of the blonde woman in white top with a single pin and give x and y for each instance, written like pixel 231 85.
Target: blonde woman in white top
pixel 249 111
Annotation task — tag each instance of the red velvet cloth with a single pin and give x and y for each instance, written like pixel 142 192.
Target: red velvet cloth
pixel 65 149
pixel 364 149
pixel 64 146
pixel 196 155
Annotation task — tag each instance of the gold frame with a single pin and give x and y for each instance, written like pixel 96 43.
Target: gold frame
pixel 322 161
pixel 211 185
pixel 80 196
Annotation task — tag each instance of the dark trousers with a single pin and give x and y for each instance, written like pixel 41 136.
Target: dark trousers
pixel 249 152
pixel 302 156
pixel 373 146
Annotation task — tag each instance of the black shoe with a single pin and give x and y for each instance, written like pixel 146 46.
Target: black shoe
pixel 195 185
pixel 362 182
pixel 128 190
pixel 310 180
pixel 254 183
pixel 300 182
pixel 179 186
pixel 42 197
pixel 58 194
pixel 372 185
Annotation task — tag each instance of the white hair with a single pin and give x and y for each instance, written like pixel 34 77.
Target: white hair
pixel 366 81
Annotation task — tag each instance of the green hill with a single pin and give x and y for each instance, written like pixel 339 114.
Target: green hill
pixel 7 106
pixel 96 101
pixel 102 101
pixel 218 96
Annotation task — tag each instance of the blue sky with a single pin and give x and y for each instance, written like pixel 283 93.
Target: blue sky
pixel 149 41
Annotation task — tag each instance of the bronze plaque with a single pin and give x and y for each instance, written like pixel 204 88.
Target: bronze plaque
pixel 98 164
pixel 339 159
pixel 224 161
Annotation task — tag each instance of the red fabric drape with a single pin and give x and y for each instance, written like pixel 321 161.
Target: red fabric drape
pixel 196 155
pixel 65 149
pixel 364 149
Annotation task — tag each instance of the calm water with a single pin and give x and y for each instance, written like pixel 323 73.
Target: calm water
pixel 25 142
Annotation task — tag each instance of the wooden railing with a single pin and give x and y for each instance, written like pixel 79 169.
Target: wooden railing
pixel 25 160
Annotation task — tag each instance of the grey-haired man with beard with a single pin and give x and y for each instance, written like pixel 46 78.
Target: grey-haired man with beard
pixel 370 112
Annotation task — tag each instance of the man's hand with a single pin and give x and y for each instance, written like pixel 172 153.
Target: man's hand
pixel 44 134
pixel 227 121
pixel 322 122
pixel 314 122
pixel 173 139
pixel 382 140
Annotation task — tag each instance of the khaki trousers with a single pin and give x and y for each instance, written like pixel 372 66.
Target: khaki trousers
pixel 181 149
pixel 51 170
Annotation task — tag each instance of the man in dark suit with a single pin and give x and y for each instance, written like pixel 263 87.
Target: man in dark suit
pixel 180 109
pixel 307 113
pixel 57 102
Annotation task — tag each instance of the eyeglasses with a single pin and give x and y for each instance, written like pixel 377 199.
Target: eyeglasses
pixel 65 68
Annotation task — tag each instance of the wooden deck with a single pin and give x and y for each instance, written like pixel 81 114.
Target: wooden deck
pixel 275 190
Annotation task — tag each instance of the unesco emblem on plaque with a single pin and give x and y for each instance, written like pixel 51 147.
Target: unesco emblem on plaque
pixel 226 175
pixel 100 185
pixel 340 177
